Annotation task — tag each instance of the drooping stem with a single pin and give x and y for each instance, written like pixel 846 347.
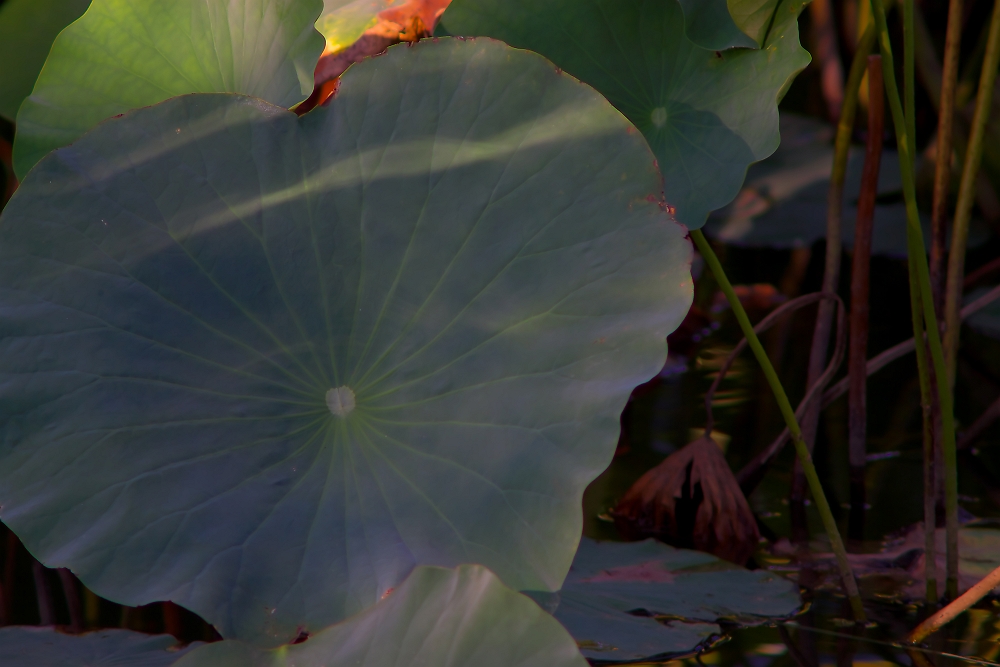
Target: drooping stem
pixel 805 458
pixel 946 615
pixel 860 272
pixel 753 472
pixel 942 166
pixel 920 284
pixel 966 192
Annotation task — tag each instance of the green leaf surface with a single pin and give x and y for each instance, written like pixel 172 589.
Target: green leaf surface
pixel 707 114
pixel 126 54
pixel 27 28
pixel 755 18
pixel 344 21
pixel 611 582
pixel 44 647
pixel 709 24
pixel 263 365
pixel 446 618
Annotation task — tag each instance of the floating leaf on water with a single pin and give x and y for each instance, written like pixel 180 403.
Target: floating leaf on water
pixel 479 257
pixel 707 114
pixel 45 647
pixel 27 28
pixel 615 588
pixel 127 54
pixel 442 618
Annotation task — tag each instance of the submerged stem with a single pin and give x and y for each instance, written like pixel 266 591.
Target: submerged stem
pixel 920 284
pixel 805 458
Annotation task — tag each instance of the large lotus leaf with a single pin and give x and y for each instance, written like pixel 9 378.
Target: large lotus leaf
pixel 126 54
pixel 44 647
pixel 614 588
pixel 263 365
pixel 446 618
pixel 27 28
pixel 707 114
pixel 344 21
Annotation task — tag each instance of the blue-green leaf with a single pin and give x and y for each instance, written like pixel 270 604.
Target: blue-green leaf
pixel 44 647
pixel 707 114
pixel 263 365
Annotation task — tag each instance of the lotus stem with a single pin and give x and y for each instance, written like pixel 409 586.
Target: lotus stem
pixel 805 458
pixel 860 285
pixel 834 246
pixel 751 473
pixel 966 192
pixel 72 595
pixel 946 615
pixel 942 166
pixel 921 298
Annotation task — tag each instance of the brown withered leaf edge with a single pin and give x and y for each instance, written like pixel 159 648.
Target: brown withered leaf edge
pixel 691 500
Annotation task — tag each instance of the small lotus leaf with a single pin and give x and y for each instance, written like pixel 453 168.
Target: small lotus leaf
pixel 126 54
pixel 27 28
pixel 344 21
pixel 264 365
pixel 44 647
pixel 614 588
pixel 707 114
pixel 446 618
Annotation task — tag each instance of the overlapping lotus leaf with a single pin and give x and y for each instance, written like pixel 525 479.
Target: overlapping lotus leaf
pixel 126 54
pixel 263 365
pixel 445 618
pixel 27 28
pixel 44 647
pixel 710 25
pixel 344 21
pixel 615 589
pixel 707 114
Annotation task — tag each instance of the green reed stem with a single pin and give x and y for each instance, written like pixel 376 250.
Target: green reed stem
pixel 920 283
pixel 805 458
pixel 967 192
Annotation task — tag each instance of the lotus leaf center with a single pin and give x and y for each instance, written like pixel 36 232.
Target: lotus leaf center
pixel 340 401
pixel 659 116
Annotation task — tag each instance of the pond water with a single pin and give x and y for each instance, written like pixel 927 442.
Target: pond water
pixel 668 412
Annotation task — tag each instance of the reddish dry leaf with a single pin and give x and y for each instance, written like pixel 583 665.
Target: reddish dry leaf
pixel 406 23
pixel 691 500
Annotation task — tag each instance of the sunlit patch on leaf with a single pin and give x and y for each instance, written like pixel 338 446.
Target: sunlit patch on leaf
pixel 706 112
pixel 127 54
